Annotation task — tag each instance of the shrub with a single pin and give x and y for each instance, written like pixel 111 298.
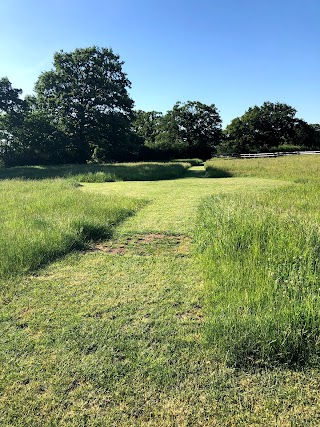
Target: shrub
pixel 287 148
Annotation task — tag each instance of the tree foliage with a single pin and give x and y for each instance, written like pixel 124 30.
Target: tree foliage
pixel 10 102
pixel 82 112
pixel 192 128
pixel 146 125
pixel 85 95
pixel 267 128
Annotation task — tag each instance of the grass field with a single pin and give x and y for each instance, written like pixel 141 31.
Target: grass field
pixel 147 171
pixel 43 220
pixel 118 334
pixel 261 256
pixel 300 169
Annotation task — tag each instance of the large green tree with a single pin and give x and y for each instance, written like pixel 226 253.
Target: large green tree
pixel 268 127
pixel 192 128
pixel 85 95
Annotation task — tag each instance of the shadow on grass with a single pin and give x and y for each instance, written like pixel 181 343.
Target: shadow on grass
pixel 144 171
pixel 195 173
pixel 217 173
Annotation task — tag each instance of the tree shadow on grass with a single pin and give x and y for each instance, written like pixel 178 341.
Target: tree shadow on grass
pixel 217 173
pixel 208 173
pixel 190 173
pixel 142 171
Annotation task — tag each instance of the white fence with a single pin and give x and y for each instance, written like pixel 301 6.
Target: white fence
pixel 277 154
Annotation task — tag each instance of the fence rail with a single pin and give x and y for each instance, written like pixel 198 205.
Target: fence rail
pixel 277 154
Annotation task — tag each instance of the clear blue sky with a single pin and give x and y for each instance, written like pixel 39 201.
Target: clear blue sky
pixel 233 53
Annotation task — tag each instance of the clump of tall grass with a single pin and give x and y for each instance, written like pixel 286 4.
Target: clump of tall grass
pixel 95 177
pixel 142 171
pixel 261 258
pixel 41 220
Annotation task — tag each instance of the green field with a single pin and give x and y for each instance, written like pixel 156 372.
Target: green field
pixel 151 326
pixel 147 171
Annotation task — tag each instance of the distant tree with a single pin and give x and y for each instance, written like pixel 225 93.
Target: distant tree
pixel 26 134
pixel 11 115
pixel 265 128
pixel 192 128
pixel 316 135
pixel 85 96
pixel 10 101
pixel 146 124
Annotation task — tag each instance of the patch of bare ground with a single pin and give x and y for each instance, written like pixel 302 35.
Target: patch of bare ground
pixel 146 244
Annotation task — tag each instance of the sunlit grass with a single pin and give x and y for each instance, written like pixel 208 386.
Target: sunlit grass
pixel 261 257
pixel 300 168
pixel 102 338
pixel 41 220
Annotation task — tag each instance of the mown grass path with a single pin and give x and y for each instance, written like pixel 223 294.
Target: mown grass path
pixel 173 204
pixel 113 336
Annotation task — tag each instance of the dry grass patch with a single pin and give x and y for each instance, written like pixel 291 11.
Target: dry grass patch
pixel 146 244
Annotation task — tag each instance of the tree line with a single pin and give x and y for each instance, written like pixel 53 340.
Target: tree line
pixel 82 112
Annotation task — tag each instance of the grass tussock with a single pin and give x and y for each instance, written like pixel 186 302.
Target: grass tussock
pixel 261 257
pixel 42 220
pixel 143 171
pixel 96 177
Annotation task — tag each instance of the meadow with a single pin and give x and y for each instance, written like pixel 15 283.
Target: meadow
pixel 196 303
pixel 43 220
pixel 140 171
pixel 299 169
pixel 261 258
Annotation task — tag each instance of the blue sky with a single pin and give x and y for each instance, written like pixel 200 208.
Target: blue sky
pixel 232 53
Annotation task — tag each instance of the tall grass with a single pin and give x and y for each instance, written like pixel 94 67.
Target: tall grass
pixel 295 168
pixel 144 171
pixel 261 258
pixel 42 220
pixel 193 161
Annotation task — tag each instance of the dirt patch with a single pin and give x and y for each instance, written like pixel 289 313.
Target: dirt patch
pixel 104 248
pixel 146 244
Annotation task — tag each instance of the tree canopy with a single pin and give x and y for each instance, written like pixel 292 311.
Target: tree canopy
pixel 265 128
pixel 85 95
pixel 146 125
pixel 81 111
pixel 193 128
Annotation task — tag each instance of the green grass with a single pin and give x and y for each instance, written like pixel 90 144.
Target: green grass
pixel 43 220
pixel 301 169
pixel 96 177
pixel 151 171
pixel 173 205
pixel 114 335
pixel 262 268
pixel 193 162
pixel 261 257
